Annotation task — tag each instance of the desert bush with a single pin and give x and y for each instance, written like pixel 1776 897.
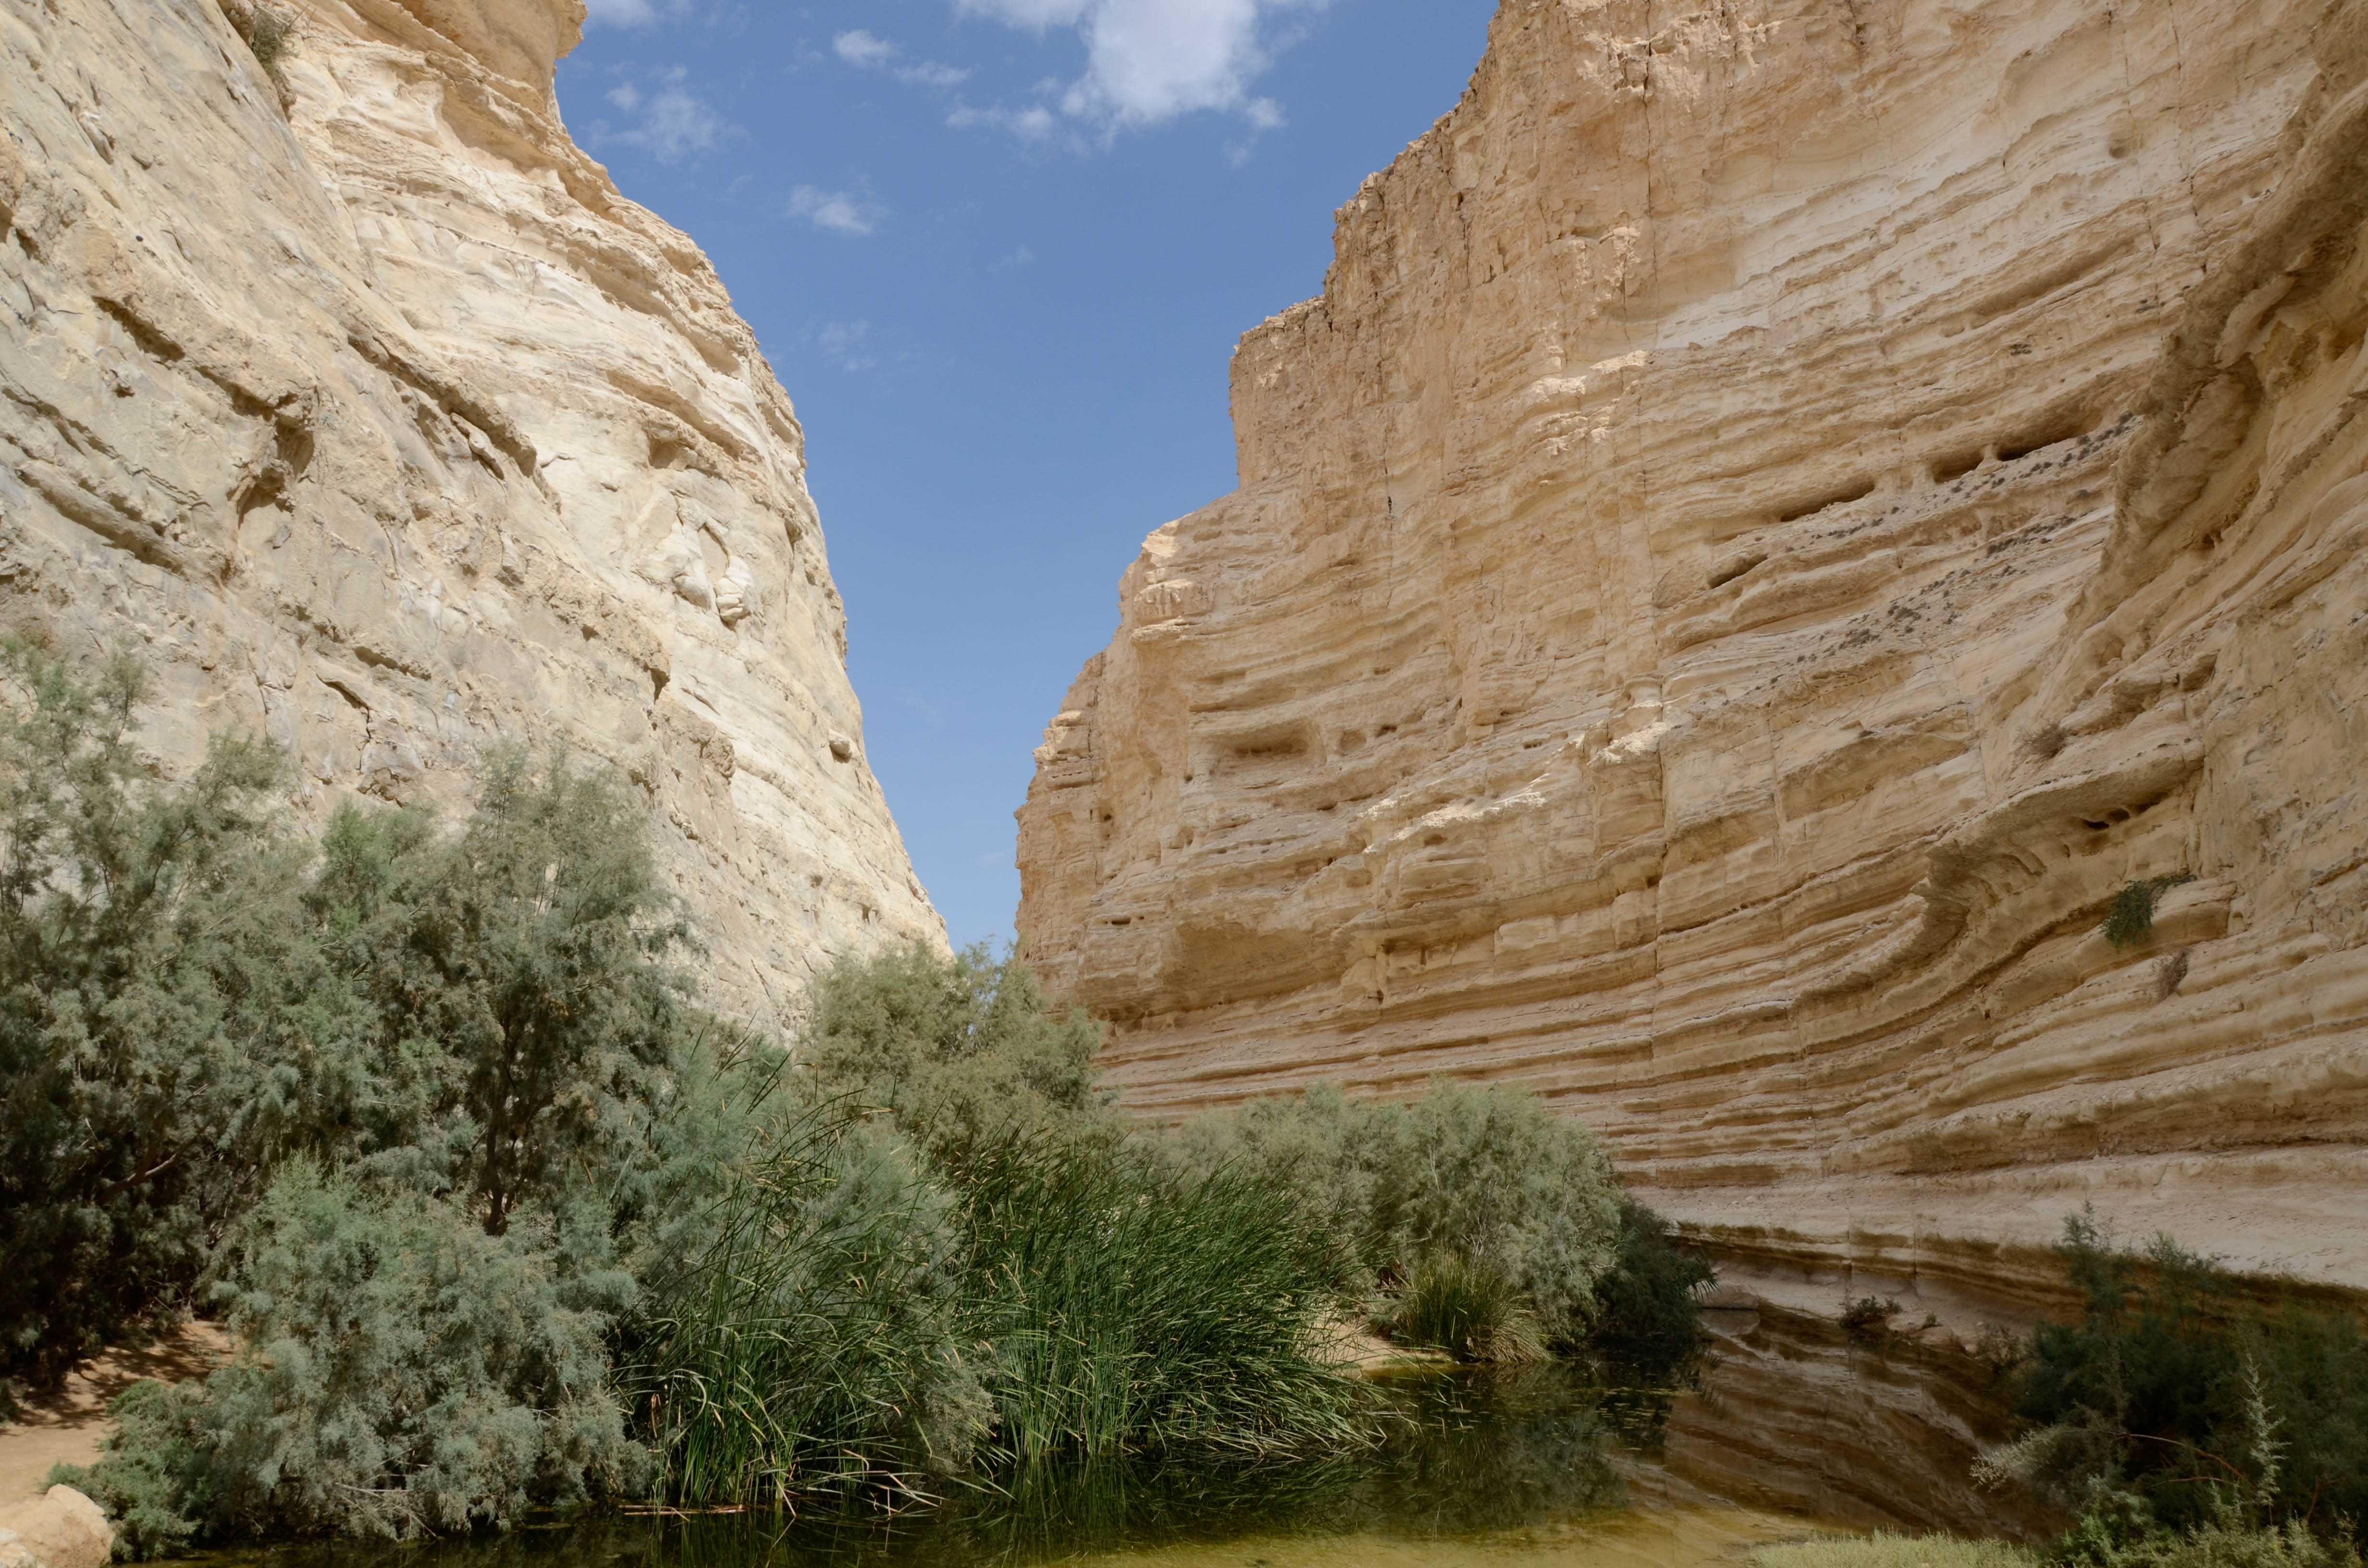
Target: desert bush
pixel 1648 1323
pixel 2129 919
pixel 963 1055
pixel 2177 1393
pixel 400 1372
pixel 1485 1175
pixel 1469 1310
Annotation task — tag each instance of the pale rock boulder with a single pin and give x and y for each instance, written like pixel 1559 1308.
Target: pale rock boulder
pixel 364 406
pixel 1781 511
pixel 60 1529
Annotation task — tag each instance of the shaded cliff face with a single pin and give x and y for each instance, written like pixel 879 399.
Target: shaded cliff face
pixel 382 423
pixel 1781 510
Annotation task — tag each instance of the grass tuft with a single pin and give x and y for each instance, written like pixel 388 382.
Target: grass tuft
pixel 2129 920
pixel 1471 1311
pixel 1884 1550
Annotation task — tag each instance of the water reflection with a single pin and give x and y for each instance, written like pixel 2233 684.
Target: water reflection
pixel 1800 1428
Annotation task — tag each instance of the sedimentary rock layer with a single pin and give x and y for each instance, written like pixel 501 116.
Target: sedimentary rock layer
pixel 356 397
pixel 1784 509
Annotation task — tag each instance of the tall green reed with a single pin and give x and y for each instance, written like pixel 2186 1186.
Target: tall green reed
pixel 1136 1309
pixel 817 1342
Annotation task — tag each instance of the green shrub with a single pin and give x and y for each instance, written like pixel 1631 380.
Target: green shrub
pixel 1135 1308
pixel 1485 1175
pixel 963 1055
pixel 1648 1322
pixel 398 1371
pixel 1469 1310
pixel 2129 919
pixel 817 1343
pixel 169 1025
pixel 2179 1393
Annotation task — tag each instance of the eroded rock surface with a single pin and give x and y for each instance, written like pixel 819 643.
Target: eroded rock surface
pixel 1781 511
pixel 365 405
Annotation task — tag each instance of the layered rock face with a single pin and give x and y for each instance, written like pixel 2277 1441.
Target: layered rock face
pixel 1782 510
pixel 370 412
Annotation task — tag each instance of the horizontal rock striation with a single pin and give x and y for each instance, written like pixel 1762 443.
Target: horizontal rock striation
pixel 358 398
pixel 1782 511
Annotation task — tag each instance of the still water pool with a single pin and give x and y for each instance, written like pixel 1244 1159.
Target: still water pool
pixel 1798 1430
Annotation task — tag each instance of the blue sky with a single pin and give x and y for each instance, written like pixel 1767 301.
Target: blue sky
pixel 999 252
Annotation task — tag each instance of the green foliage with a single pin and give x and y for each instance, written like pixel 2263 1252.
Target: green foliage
pixel 519 977
pixel 1647 1306
pixel 400 1372
pixel 1886 1549
pixel 965 1057
pixel 168 1025
pixel 2214 1546
pixel 2176 1400
pixel 1139 1308
pixel 946 1265
pixel 817 1343
pixel 2129 919
pixel 1485 1175
pixel 1469 1310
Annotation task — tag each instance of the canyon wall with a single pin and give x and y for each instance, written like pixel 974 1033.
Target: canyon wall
pixel 1782 511
pixel 355 400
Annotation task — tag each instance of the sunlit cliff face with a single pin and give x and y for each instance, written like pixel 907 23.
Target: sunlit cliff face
pixel 1779 514
pixel 367 409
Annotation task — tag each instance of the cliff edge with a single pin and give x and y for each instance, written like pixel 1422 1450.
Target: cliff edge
pixel 1784 511
pixel 355 396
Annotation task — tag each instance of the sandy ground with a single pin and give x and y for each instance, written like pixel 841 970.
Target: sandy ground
pixel 65 1429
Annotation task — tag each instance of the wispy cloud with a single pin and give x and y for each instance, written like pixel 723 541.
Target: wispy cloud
pixel 628 12
pixel 1033 123
pixel 862 50
pixel 1151 60
pixel 848 343
pixel 669 122
pixel 839 212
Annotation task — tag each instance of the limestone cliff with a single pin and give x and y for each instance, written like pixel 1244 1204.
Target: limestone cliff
pixel 1782 509
pixel 363 404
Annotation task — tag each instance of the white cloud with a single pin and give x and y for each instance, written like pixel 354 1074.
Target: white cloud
pixel 867 53
pixel 1149 61
pixel 627 13
pixel 1035 123
pixel 670 120
pixel 860 48
pixel 930 73
pixel 839 212
pixel 845 341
